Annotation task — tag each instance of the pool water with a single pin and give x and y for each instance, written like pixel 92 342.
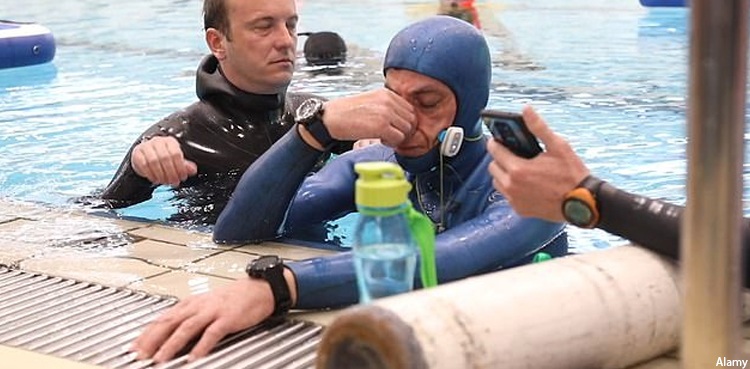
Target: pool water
pixel 608 75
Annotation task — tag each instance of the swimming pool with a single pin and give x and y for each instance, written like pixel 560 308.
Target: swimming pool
pixel 609 75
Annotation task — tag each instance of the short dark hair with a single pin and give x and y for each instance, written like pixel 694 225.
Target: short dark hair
pixel 215 15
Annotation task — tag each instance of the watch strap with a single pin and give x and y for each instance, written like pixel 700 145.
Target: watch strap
pixel 274 275
pixel 310 115
pixel 318 130
pixel 585 194
pixel 281 296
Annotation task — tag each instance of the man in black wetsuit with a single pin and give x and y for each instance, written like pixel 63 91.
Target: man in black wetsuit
pixel 557 186
pixel 243 108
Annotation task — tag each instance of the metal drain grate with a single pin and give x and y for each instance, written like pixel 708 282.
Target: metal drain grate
pixel 94 324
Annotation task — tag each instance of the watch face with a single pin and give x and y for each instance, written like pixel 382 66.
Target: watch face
pixel 577 212
pixel 308 109
pixel 264 263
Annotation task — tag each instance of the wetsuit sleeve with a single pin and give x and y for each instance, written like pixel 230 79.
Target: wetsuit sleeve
pixel 295 99
pixel 127 187
pixel 329 193
pixel 260 201
pixel 325 282
pixel 494 239
pixel 653 224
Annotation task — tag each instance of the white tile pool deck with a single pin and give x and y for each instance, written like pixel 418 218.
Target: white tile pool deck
pixel 151 258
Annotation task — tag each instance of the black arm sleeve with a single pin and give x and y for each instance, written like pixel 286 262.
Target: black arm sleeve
pixel 127 187
pixel 650 223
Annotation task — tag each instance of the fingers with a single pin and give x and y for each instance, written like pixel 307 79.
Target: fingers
pixel 498 175
pixel 140 164
pixel 161 161
pixel 497 167
pixel 398 121
pixel 190 169
pixel 211 336
pixel 185 332
pixel 379 114
pixel 498 151
pixel 564 159
pixel 171 332
pixel 365 142
pixel 159 331
pixel 169 158
pixel 403 117
pixel 502 157
pixel 392 136
pixel 541 130
pixel 235 307
pixel 536 187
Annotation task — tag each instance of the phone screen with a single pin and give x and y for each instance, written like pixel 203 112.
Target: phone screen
pixel 510 130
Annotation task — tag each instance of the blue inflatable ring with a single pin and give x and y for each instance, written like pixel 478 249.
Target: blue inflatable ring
pixel 23 44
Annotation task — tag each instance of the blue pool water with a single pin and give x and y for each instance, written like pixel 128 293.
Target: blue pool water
pixel 607 74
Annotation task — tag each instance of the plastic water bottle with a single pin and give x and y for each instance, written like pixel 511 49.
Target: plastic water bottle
pixel 385 253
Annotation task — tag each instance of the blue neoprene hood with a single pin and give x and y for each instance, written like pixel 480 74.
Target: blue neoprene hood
pixel 424 48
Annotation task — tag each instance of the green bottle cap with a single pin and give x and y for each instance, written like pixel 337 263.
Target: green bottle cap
pixel 380 184
pixel 541 256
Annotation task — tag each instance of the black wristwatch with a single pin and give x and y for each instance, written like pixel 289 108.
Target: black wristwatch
pixel 579 206
pixel 310 115
pixel 271 269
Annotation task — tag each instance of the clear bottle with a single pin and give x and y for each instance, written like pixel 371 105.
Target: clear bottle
pixel 385 253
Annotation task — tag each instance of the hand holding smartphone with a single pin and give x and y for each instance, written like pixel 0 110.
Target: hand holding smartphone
pixel 510 130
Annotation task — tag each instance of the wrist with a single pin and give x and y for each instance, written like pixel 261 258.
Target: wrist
pixel 291 282
pixel 263 301
pixel 270 269
pixel 580 205
pixel 311 127
pixel 309 138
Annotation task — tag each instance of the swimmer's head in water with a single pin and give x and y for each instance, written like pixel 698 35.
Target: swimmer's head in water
pixel 324 48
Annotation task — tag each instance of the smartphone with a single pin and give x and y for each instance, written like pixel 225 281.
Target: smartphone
pixel 510 130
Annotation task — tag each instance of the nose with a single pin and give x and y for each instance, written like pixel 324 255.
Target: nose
pixel 286 38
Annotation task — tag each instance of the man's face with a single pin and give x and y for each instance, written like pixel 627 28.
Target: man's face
pixel 434 104
pixel 260 56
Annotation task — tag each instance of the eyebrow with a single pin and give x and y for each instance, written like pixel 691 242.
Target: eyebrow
pixel 271 19
pixel 420 91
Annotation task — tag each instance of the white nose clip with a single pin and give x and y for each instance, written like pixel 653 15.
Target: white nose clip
pixel 451 140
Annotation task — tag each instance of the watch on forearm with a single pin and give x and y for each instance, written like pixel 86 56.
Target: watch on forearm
pixel 580 206
pixel 271 269
pixel 310 115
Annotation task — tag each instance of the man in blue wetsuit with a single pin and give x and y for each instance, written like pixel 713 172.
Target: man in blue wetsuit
pixel 437 77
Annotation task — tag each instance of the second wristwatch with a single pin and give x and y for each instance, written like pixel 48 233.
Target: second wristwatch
pixel 579 206
pixel 271 269
pixel 310 115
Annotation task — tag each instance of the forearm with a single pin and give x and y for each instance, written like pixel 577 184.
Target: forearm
pixel 497 239
pixel 650 223
pixel 493 240
pixel 126 187
pixel 262 196
pixel 325 282
pixel 329 193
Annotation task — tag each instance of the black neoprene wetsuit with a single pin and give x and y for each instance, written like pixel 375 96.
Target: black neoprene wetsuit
pixel 223 133
pixel 653 224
